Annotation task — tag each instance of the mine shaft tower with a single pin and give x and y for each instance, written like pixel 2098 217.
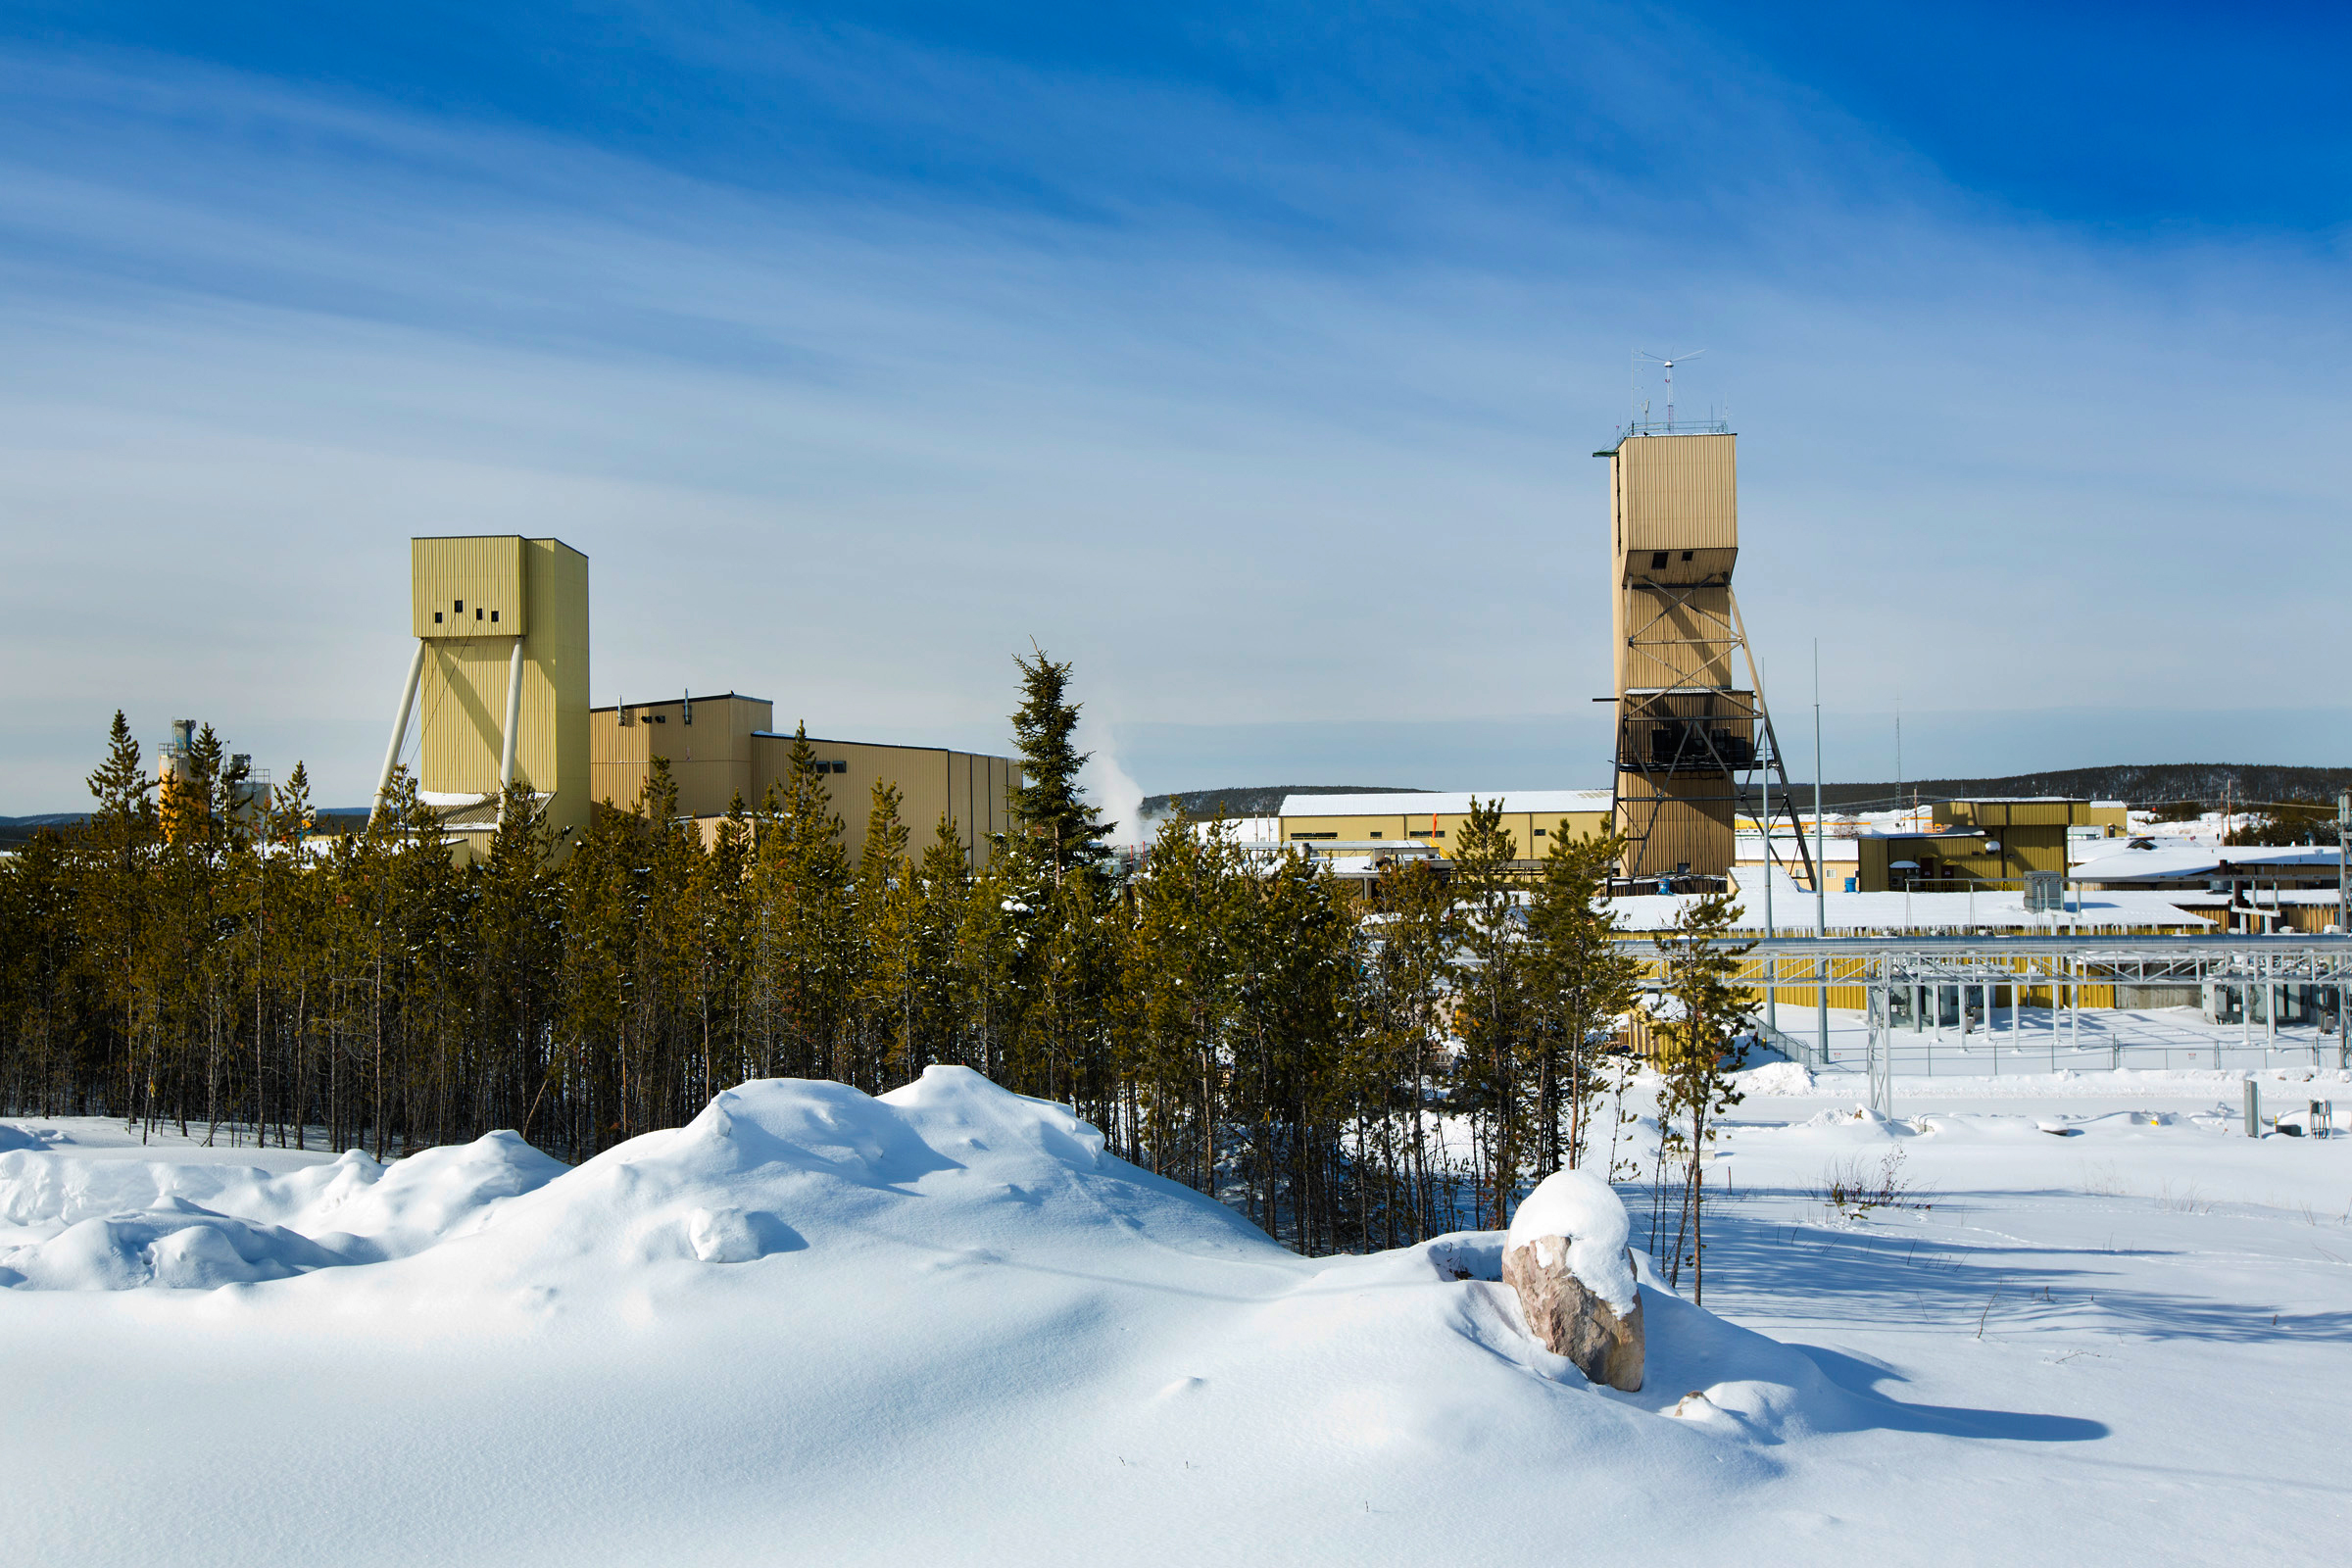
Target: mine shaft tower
pixel 1689 736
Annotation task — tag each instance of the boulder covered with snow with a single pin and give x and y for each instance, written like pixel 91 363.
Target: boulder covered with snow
pixel 1567 1257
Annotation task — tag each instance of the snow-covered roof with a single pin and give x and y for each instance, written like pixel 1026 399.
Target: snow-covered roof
pixel 1917 912
pixel 1446 804
pixel 2165 862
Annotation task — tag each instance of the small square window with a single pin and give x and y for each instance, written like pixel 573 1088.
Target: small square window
pixel 1657 559
pixel 436 617
pixel 840 767
pixel 660 718
pixel 1686 555
pixel 460 610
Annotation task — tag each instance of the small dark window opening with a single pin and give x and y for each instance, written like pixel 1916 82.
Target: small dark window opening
pixel 477 615
pixel 660 718
pixel 436 617
pixel 840 767
pixel 494 618
pixel 460 610
pixel 1657 559
pixel 1376 832
pixel 1686 555
pixel 1537 832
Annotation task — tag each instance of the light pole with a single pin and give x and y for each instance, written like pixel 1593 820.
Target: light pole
pixel 1821 879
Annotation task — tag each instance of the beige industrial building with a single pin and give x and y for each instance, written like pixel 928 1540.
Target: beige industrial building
pixel 726 749
pixel 1984 843
pixel 497 692
pixel 1360 824
pixel 1686 727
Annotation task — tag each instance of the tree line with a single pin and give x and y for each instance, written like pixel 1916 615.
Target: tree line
pixel 1353 1065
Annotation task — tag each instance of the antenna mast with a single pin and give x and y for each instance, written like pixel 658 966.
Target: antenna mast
pixel 1667 361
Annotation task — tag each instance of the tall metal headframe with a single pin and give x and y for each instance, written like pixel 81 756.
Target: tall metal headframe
pixel 1692 726
pixel 1699 740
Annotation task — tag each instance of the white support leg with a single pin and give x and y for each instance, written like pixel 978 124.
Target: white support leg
pixel 400 730
pixel 506 750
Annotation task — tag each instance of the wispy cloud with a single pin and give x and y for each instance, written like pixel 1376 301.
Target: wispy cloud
pixel 1265 398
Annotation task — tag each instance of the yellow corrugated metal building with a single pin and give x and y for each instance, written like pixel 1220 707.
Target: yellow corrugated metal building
pixel 1435 820
pixel 727 747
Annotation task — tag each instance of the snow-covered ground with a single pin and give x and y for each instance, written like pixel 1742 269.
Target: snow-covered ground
pixel 942 1326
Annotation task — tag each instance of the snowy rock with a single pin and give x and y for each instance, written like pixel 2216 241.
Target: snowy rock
pixel 722 1236
pixel 1567 1258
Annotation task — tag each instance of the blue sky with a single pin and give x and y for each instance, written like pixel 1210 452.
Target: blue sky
pixel 1250 356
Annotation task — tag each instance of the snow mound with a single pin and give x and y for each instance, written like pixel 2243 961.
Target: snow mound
pixel 1582 1208
pixel 116 1224
pixel 1775 1078
pixel 176 1245
pixel 951 1164
pixel 13 1137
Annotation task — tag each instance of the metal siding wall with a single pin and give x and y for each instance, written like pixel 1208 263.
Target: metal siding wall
pixel 552 755
pixel 486 572
pixel 1695 832
pixel 461 702
pixel 1681 493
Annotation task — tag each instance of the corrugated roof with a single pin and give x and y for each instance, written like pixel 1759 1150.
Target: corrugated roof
pixel 1919 912
pixel 2169 860
pixel 1444 803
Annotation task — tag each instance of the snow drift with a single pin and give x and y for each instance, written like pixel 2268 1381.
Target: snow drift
pixel 806 1288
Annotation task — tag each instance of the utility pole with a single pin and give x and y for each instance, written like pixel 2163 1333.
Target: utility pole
pixel 1821 877
pixel 2343 837
pixel 1771 967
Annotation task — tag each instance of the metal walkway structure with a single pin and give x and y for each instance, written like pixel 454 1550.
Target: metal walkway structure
pixel 1907 979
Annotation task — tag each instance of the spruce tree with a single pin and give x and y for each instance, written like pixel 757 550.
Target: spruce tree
pixel 1701 969
pixel 1060 828
pixel 1578 982
pixel 1492 1002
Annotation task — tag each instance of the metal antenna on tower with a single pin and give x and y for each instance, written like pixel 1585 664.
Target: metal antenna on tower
pixel 1667 361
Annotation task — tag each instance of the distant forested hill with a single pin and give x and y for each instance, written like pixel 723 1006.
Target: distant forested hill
pixel 2141 784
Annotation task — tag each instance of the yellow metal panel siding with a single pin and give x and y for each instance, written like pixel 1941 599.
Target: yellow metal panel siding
pixel 617 759
pixel 2011 813
pixel 462 700
pixel 482 573
pixel 1688 829
pixel 1963 858
pixel 553 751
pixel 1681 492
pixel 969 788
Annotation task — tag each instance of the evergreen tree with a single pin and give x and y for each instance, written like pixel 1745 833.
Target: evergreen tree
pixel 1703 1012
pixel 1579 984
pixel 1058 827
pixel 1492 1012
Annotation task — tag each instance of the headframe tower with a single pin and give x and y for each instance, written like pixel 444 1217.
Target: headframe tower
pixel 499 681
pixel 1692 725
